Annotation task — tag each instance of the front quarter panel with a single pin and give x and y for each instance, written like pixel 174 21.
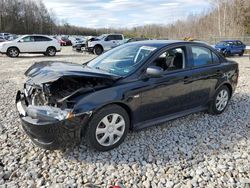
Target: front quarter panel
pixel 125 94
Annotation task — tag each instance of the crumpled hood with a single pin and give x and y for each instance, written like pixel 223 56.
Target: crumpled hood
pixel 48 71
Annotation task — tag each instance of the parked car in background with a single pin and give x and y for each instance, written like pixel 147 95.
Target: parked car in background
pixel 231 47
pixel 5 35
pixel 65 41
pixel 103 43
pixel 30 44
pixel 133 86
pixel 12 37
pixel 79 47
pixel 77 40
pixel 79 44
pixel 2 39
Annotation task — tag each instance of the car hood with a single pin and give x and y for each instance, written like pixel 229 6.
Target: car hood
pixel 47 71
pixel 6 42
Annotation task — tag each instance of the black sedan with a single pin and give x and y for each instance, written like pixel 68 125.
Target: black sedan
pixel 131 87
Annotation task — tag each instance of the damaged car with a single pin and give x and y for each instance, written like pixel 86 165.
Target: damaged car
pixel 131 87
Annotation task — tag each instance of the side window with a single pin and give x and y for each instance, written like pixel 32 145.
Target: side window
pixel 41 39
pixel 118 37
pixel 171 60
pixel 216 59
pixel 201 56
pixel 110 37
pixel 28 39
pixel 239 43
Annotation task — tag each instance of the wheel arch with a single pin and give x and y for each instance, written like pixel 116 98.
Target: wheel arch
pixel 13 47
pixel 125 107
pixel 99 46
pixel 51 47
pixel 228 85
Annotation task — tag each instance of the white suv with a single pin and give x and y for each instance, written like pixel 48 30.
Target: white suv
pixel 31 44
pixel 104 42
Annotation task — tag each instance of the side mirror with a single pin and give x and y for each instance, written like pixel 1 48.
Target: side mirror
pixel 154 71
pixel 21 40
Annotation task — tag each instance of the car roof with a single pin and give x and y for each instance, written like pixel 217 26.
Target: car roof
pixel 36 35
pixel 230 40
pixel 162 43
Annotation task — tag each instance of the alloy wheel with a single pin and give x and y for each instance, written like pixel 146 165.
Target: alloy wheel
pixel 110 129
pixel 13 52
pixel 51 52
pixel 222 100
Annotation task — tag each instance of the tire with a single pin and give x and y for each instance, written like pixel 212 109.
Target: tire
pixel 51 51
pixel 98 50
pixel 102 122
pixel 242 53
pixel 227 53
pixel 220 100
pixel 13 52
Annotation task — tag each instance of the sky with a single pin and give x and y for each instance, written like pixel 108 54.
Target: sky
pixel 124 13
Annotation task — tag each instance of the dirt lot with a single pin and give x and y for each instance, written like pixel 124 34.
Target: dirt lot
pixel 199 150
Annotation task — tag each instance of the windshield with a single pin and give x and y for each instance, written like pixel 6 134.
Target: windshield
pixel 122 60
pixel 101 37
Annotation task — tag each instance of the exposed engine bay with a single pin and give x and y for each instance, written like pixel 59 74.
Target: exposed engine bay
pixel 62 92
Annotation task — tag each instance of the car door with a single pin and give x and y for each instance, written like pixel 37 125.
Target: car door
pixel 168 94
pixel 206 70
pixel 118 40
pixel 109 42
pixel 41 43
pixel 26 44
pixel 240 46
pixel 234 47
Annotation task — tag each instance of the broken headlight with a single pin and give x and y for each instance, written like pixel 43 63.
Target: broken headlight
pixel 47 113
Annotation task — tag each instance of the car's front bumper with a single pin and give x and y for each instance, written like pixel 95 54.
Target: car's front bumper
pixel 51 135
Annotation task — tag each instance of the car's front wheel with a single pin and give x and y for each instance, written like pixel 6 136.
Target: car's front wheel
pixel 98 50
pixel 220 100
pixel 51 51
pixel 108 128
pixel 13 52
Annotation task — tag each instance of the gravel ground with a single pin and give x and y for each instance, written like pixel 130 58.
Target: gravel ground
pixel 199 150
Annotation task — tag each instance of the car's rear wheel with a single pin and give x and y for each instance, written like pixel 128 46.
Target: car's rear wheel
pixel 241 54
pixel 220 100
pixel 108 128
pixel 51 51
pixel 13 52
pixel 98 50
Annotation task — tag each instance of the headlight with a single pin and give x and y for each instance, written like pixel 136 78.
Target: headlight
pixel 47 113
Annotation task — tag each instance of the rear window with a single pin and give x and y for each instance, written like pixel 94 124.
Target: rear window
pixel 42 39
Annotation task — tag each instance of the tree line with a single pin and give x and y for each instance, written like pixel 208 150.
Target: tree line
pixel 225 18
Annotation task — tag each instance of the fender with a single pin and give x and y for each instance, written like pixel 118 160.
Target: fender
pixel 119 94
